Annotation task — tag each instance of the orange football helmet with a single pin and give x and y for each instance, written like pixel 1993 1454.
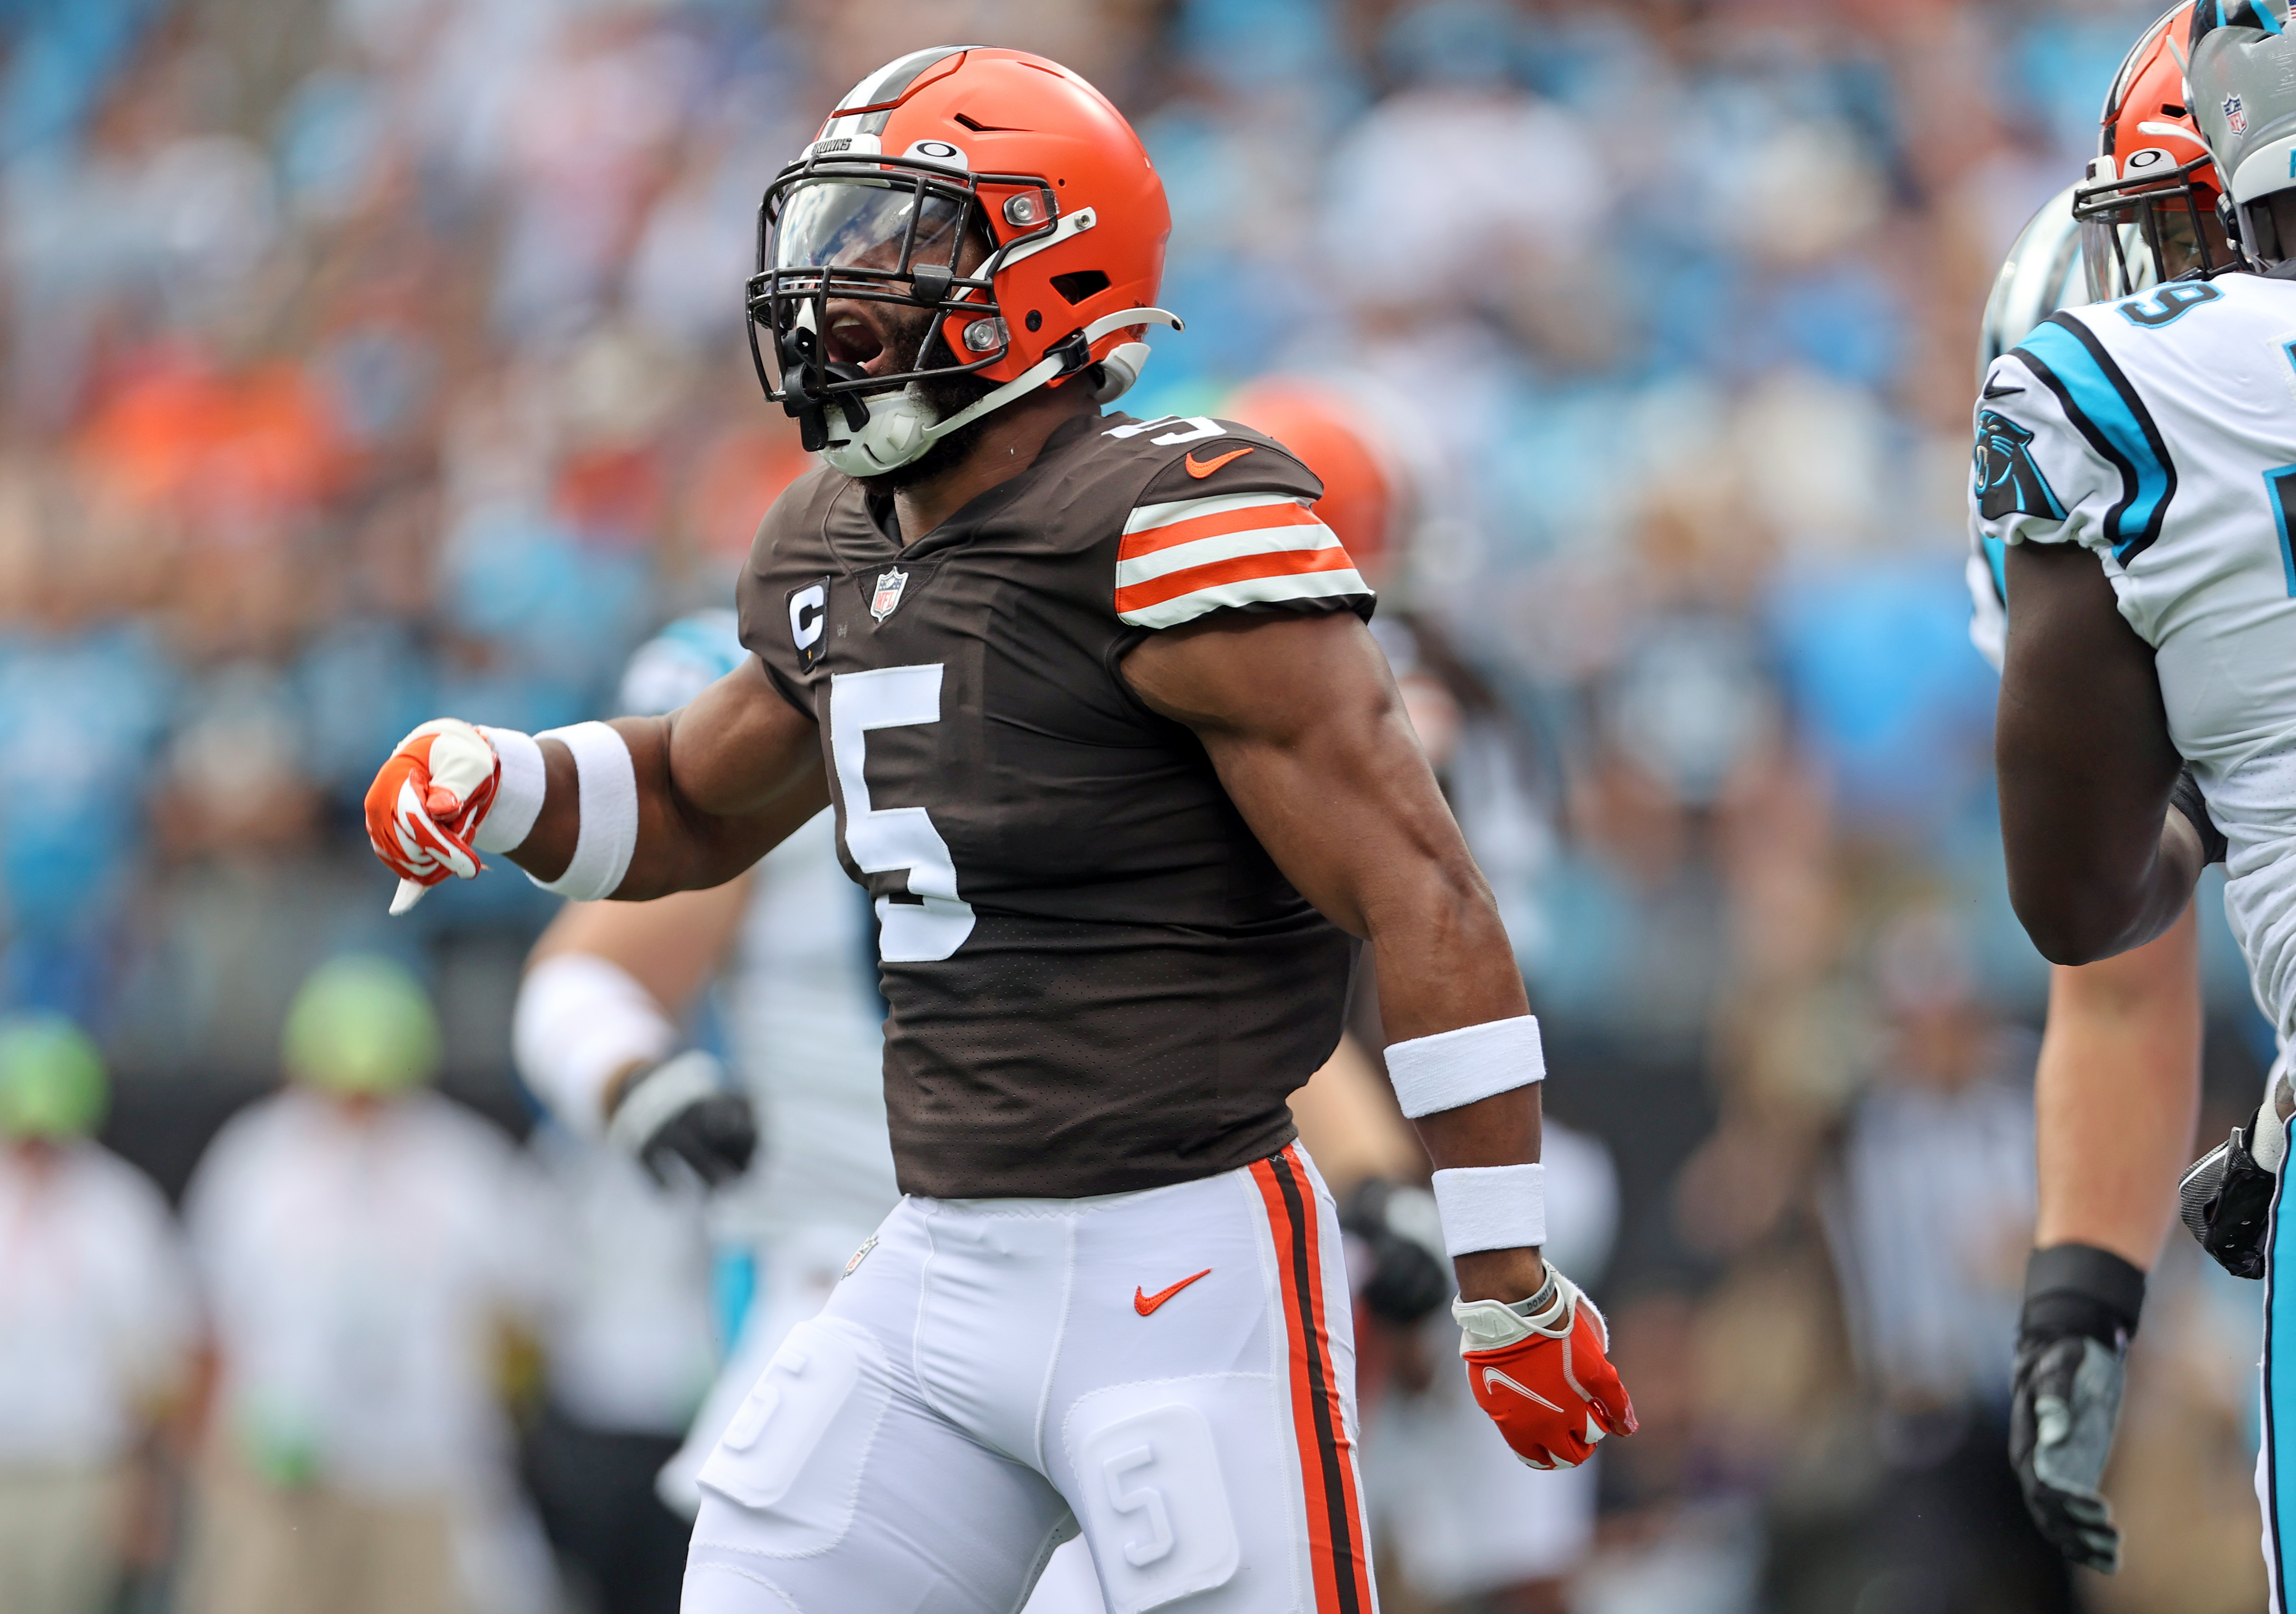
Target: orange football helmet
pixel 1340 438
pixel 946 154
pixel 2153 188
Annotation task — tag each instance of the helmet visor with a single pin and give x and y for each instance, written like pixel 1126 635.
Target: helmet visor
pixel 2115 259
pixel 866 224
pixel 2155 223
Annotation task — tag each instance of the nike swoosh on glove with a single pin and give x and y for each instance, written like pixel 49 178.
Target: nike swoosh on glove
pixel 429 799
pixel 1546 1379
pixel 2081 1305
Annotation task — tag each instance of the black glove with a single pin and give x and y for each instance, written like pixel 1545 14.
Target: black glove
pixel 1410 1276
pixel 2081 1305
pixel 2226 1202
pixel 681 1109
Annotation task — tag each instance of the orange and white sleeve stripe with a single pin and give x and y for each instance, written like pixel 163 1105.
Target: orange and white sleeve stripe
pixel 1181 559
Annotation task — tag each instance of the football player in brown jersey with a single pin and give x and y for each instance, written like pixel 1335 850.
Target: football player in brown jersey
pixel 1129 782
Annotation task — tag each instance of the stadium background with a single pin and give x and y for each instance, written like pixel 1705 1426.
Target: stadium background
pixel 369 359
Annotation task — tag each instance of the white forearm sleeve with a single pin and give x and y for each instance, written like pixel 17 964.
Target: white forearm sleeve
pixel 581 1018
pixel 1456 1067
pixel 1491 1206
pixel 609 799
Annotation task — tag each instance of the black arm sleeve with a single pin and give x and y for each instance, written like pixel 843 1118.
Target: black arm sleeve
pixel 2185 798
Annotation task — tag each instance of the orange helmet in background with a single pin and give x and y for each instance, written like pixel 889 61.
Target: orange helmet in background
pixel 2149 209
pixel 1339 436
pixel 946 150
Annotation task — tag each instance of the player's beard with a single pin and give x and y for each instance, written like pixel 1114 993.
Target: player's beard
pixel 944 395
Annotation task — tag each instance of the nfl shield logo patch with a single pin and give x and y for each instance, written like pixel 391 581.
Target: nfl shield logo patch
pixel 890 585
pixel 2236 115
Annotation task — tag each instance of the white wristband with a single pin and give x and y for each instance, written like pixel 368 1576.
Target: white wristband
pixel 581 1019
pixel 1491 1206
pixel 659 1094
pixel 518 799
pixel 1455 1067
pixel 609 798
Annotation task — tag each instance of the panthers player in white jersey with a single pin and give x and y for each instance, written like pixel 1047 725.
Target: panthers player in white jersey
pixel 793 942
pixel 2117 1089
pixel 2141 458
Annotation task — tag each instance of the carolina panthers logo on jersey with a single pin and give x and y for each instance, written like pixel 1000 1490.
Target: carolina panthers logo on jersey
pixel 2008 481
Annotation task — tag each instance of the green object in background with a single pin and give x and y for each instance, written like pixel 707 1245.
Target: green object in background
pixel 280 1447
pixel 52 1081
pixel 361 1024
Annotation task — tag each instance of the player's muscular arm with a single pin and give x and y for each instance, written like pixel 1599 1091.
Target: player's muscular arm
pixel 2116 1094
pixel 669 947
pixel 2097 863
pixel 1302 718
pixel 720 783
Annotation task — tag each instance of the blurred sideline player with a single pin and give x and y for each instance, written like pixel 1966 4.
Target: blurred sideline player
pixel 364 1244
pixel 96 1324
pixel 792 942
pixel 2117 1089
pixel 1094 702
pixel 2137 468
pixel 1464 1520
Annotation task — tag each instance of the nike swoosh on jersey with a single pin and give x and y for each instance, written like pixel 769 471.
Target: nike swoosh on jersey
pixel 1206 468
pixel 1492 1376
pixel 1145 1302
pixel 1995 390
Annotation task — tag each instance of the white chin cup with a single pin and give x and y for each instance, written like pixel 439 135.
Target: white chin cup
pixel 900 428
pixel 1119 370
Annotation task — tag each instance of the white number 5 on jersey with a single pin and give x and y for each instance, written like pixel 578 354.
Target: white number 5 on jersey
pixel 882 839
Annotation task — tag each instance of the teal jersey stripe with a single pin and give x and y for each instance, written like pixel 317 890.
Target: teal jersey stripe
pixel 2107 411
pixel 2279 1403
pixel 2280 485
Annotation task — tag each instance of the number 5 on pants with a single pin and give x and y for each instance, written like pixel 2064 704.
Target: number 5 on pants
pixel 882 839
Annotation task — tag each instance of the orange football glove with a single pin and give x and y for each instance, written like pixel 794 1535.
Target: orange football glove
pixel 1545 1379
pixel 427 802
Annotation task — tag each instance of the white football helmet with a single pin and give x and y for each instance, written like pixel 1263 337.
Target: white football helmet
pixel 2043 273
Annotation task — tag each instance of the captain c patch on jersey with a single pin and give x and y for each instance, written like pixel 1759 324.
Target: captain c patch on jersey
pixel 808 616
pixel 2008 481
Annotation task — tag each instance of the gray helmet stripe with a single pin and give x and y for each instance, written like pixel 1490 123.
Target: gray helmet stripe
pixel 888 83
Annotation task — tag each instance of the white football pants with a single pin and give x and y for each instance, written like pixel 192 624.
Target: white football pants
pixel 1171 1371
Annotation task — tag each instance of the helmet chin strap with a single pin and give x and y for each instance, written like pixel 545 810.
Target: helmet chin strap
pixel 898 430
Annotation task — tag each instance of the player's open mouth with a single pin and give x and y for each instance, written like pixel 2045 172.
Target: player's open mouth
pixel 852 339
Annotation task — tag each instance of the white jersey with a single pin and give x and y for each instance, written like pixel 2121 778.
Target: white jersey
pixel 2159 432
pixel 96 1309
pixel 801 1005
pixel 358 1265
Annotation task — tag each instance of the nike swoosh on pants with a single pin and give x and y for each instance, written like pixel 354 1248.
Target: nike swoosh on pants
pixel 1145 1303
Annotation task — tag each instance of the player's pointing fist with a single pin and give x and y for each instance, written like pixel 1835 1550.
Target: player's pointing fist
pixel 1540 1368
pixel 427 803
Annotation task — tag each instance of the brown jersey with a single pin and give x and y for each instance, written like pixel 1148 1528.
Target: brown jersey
pixel 1097 978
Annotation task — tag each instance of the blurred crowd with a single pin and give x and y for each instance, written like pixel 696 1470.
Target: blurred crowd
pixel 372 359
